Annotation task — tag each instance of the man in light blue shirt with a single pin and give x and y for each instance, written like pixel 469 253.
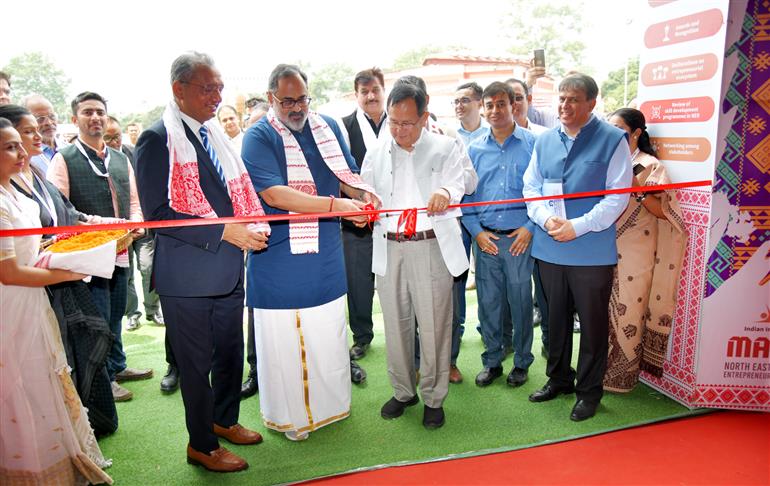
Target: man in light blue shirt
pixel 574 242
pixel 502 237
pixel 467 106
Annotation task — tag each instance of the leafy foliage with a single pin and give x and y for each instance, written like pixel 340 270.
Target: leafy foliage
pixel 556 26
pixel 414 57
pixel 330 81
pixel 35 73
pixel 145 119
pixel 612 88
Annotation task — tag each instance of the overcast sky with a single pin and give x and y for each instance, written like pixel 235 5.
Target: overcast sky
pixel 123 50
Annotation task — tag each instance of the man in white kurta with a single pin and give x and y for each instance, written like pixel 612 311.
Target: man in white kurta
pixel 417 169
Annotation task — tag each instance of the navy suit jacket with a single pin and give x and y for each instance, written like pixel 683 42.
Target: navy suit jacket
pixel 192 261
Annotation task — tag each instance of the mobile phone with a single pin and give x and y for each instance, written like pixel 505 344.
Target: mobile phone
pixel 539 58
pixel 638 168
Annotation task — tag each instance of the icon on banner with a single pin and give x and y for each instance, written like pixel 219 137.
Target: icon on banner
pixel 659 72
pixel 655 112
pixel 665 33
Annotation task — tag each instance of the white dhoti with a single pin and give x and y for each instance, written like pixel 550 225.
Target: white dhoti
pixel 303 366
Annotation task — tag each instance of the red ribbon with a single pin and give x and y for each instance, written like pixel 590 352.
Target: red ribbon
pixel 368 210
pixel 408 218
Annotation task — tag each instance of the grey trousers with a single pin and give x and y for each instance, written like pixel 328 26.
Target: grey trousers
pixel 417 284
pixel 141 253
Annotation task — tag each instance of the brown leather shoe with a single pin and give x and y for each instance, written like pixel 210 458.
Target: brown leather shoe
pixel 237 434
pixel 454 374
pixel 219 460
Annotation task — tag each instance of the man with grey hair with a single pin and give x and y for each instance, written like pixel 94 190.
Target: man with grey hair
pixel 299 163
pixel 574 242
pixel 43 111
pixel 198 270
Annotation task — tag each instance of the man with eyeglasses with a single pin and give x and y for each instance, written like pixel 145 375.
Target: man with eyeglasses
pixel 362 131
pixel 415 267
pixel 140 252
pixel 521 107
pixel 187 170
pixel 574 242
pixel 43 111
pixel 99 180
pixel 501 238
pixel 299 162
pixel 467 106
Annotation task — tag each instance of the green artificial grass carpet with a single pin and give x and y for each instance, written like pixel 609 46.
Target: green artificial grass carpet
pixel 149 446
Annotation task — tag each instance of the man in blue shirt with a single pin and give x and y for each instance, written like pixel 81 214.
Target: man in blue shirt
pixel 467 105
pixel 299 163
pixel 501 236
pixel 574 243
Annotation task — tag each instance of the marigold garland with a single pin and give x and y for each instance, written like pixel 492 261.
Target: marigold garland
pixel 85 241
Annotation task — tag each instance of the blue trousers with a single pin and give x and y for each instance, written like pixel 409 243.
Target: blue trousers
pixel 110 296
pixel 500 278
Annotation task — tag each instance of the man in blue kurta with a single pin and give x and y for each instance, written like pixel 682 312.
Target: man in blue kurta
pixel 574 243
pixel 501 237
pixel 298 163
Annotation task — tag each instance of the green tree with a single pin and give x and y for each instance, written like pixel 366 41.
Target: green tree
pixel 329 81
pixel 35 73
pixel 414 57
pixel 556 26
pixel 145 119
pixel 613 87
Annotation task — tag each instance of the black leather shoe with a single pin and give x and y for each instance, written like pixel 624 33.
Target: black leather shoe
pixel 433 418
pixel 394 408
pixel 358 350
pixel 517 377
pixel 488 375
pixel 357 374
pixel 170 382
pixel 549 392
pixel 583 410
pixel 250 387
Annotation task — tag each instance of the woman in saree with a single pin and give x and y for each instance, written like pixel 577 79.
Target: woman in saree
pixel 651 238
pixel 85 334
pixel 45 437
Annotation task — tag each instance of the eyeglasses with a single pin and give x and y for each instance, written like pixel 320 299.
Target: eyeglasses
pixel 113 138
pixel 42 118
pixel 461 101
pixel 252 102
pixel 396 124
pixel 208 89
pixel 288 103
pixel 518 98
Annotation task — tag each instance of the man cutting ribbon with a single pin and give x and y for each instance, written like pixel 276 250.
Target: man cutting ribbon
pixel 299 163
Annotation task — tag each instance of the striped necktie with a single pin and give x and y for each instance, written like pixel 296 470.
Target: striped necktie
pixel 213 155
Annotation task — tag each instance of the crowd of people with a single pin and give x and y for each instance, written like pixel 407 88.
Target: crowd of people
pixel 611 260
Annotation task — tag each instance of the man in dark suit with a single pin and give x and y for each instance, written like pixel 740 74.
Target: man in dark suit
pixel 362 130
pixel 198 271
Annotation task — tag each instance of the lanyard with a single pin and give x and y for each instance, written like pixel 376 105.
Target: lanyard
pixel 96 170
pixel 44 199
